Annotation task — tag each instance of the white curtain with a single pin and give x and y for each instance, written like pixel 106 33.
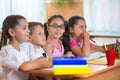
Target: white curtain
pixel 4 10
pixel 102 16
pixel 32 10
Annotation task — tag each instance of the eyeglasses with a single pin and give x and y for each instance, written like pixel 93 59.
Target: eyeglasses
pixel 55 26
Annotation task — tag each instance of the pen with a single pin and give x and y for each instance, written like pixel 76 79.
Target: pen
pixel 92 40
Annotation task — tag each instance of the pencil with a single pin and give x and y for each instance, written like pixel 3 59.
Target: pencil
pixel 105 46
pixel 92 40
pixel 117 43
pixel 114 47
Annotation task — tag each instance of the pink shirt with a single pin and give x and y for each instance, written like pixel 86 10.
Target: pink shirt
pixel 75 43
pixel 55 51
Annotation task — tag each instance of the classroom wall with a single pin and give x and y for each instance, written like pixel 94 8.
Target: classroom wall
pixel 66 10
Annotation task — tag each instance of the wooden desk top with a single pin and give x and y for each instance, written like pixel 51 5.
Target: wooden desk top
pixel 95 69
pixel 99 71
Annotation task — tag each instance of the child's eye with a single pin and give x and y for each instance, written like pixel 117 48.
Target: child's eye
pixel 82 27
pixel 40 33
pixel 24 28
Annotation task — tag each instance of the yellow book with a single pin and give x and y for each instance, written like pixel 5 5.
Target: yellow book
pixel 69 70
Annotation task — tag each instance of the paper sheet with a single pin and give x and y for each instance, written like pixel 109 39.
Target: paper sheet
pixel 95 55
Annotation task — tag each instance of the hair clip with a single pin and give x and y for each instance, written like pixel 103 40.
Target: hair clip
pixel 67 21
pixel 46 22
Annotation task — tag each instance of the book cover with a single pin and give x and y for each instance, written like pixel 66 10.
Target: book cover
pixel 66 71
pixel 76 60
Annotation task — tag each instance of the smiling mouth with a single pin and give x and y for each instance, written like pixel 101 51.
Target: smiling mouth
pixel 57 33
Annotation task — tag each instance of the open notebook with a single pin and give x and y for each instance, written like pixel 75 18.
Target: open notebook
pixel 95 55
pixel 99 58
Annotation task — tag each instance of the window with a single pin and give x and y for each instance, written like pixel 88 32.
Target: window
pixel 103 16
pixel 32 10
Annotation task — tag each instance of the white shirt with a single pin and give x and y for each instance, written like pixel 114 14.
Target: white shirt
pixel 12 59
pixel 37 52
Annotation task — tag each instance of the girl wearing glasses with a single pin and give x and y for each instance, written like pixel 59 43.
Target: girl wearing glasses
pixel 54 29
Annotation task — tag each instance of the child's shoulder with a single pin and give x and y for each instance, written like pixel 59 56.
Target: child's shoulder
pixel 26 44
pixel 6 47
pixel 7 50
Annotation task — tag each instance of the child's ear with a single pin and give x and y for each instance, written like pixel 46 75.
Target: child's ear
pixel 11 32
pixel 71 30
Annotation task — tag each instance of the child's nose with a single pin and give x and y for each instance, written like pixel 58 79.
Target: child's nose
pixel 43 35
pixel 28 31
pixel 58 28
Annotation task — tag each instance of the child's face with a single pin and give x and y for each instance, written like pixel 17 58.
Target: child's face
pixel 38 36
pixel 78 29
pixel 56 28
pixel 21 31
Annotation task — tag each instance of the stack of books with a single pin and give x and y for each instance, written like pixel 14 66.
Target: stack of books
pixel 70 65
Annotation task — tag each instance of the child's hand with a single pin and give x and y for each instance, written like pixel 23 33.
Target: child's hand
pixel 86 34
pixel 69 53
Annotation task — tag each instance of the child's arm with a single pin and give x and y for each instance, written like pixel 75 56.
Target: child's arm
pixel 68 54
pixel 96 48
pixel 48 49
pixel 39 63
pixel 85 50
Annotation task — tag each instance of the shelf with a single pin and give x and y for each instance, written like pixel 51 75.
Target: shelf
pixel 104 34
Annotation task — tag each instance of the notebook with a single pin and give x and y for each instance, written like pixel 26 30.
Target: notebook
pixel 96 55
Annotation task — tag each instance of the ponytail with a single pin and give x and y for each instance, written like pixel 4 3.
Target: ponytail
pixel 45 29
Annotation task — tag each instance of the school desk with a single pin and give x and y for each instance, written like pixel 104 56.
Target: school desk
pixel 98 72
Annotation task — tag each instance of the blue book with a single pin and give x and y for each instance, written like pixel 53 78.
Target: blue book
pixel 76 60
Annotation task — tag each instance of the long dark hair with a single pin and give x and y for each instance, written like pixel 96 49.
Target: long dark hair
pixel 49 21
pixel 10 21
pixel 66 36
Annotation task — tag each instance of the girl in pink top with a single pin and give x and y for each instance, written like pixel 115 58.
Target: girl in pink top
pixel 76 38
pixel 54 29
pixel 80 43
pixel 56 52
